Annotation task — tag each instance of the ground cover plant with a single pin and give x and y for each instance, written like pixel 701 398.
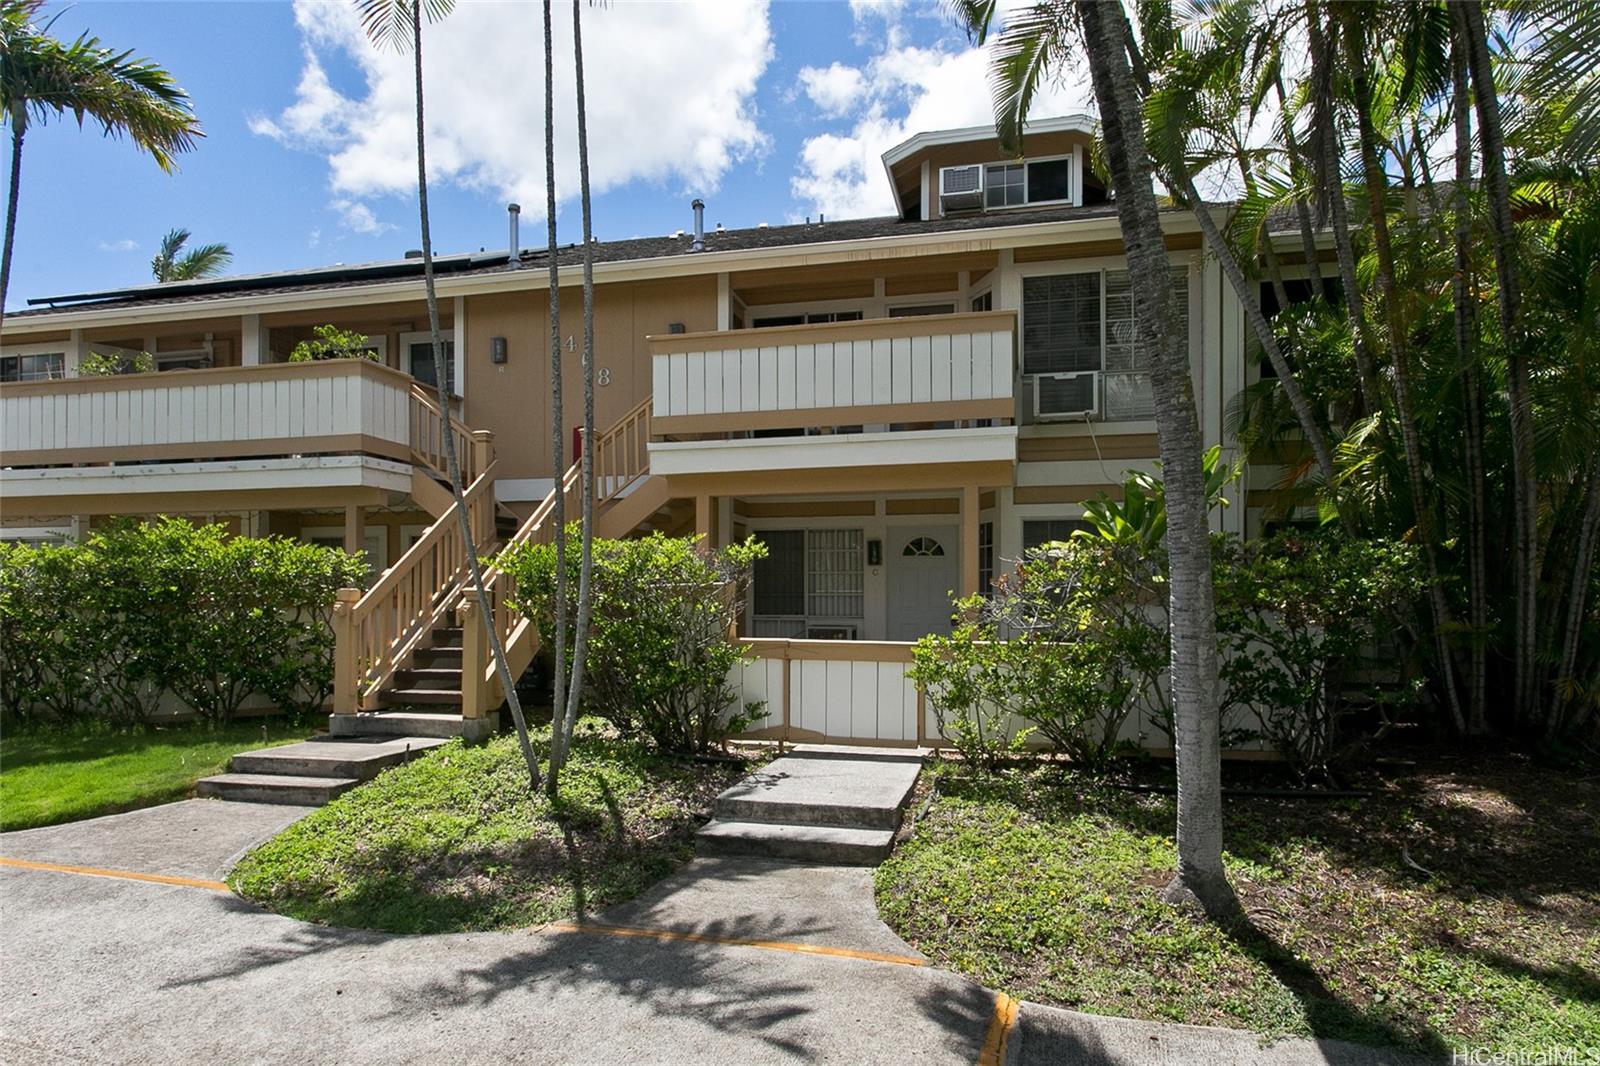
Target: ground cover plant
pixel 456 840
pixel 1457 905
pixel 53 776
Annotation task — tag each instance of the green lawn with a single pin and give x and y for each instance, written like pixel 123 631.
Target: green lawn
pixel 1045 885
pixel 49 777
pixel 455 841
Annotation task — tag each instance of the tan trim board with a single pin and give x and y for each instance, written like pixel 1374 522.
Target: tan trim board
pixel 827 332
pixel 340 444
pixel 987 501
pixel 874 479
pixel 805 417
pixel 1062 493
pixel 805 509
pixel 331 498
pixel 1066 449
pixel 937 505
pixel 851 651
pixel 216 375
pixel 1176 242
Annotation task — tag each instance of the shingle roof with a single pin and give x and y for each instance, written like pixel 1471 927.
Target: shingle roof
pixel 481 263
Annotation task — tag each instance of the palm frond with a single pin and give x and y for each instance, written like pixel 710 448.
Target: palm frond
pixel 1032 44
pixel 387 23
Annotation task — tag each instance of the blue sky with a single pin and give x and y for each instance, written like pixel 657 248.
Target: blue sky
pixel 769 112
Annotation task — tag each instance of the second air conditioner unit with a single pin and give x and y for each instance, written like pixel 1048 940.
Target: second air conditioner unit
pixel 1061 396
pixel 960 188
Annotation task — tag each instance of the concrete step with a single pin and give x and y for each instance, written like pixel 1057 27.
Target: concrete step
pixel 361 758
pixel 832 845
pixel 412 724
pixel 430 677
pixel 275 788
pixel 871 754
pixel 444 697
pixel 803 790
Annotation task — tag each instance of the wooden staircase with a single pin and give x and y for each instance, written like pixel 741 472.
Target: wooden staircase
pixel 411 657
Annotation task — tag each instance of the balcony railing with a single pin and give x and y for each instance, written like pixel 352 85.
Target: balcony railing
pixel 887 372
pixel 340 406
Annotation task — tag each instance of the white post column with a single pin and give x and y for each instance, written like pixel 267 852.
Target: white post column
pixel 724 302
pixel 76 350
pixel 253 350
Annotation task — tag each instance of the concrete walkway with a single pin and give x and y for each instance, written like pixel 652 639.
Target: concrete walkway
pixel 730 960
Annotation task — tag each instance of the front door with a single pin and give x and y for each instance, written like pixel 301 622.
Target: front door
pixel 923 572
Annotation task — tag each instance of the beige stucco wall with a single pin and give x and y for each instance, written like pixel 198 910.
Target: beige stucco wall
pixel 512 399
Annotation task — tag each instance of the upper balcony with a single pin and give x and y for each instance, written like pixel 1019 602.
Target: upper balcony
pixel 338 431
pixel 837 396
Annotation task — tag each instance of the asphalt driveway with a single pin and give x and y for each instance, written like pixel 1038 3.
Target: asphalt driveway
pixel 730 961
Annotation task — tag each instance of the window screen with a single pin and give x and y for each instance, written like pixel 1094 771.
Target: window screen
pixel 1003 185
pixel 1049 180
pixel 779 580
pixel 921 310
pixel 1127 391
pixel 33 367
pixel 1060 323
pixel 419 357
pixel 1042 531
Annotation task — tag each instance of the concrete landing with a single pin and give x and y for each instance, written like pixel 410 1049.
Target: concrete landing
pixel 314 771
pixel 814 806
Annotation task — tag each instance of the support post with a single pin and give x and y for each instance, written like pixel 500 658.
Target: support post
pixel 969 540
pixel 705 520
pixel 355 529
pixel 474 656
pixel 482 452
pixel 346 700
pixel 253 346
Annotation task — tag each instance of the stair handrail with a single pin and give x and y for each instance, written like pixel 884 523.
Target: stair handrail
pixel 621 458
pixel 474 449
pixel 375 633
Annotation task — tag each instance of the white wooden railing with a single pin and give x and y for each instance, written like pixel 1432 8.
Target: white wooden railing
pixel 333 406
pixel 932 368
pixel 852 692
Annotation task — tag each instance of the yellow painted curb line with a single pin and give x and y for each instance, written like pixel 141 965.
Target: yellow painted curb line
pixel 1000 1025
pixel 731 941
pixel 125 875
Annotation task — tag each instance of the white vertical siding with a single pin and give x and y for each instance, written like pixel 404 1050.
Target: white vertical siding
pixel 203 409
pixel 919 367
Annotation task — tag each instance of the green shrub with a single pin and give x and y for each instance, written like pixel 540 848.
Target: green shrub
pixel 1064 645
pixel 105 629
pixel 105 364
pixel 331 342
pixel 1295 613
pixel 661 645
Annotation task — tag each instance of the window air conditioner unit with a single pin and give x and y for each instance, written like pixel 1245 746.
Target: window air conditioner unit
pixel 1059 396
pixel 960 188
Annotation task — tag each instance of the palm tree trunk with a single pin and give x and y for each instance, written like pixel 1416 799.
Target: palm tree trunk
pixel 1471 391
pixel 1200 877
pixel 580 644
pixel 1582 571
pixel 1525 482
pixel 558 700
pixel 1302 208
pixel 452 461
pixel 1332 182
pixel 1269 255
pixel 18 131
pixel 1411 444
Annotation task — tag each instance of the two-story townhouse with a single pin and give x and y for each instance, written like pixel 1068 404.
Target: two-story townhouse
pixel 895 405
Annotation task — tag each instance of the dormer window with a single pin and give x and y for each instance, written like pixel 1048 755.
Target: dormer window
pixel 1043 181
pixel 1004 185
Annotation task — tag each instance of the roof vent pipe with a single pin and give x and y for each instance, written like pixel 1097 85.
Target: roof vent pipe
pixel 699 244
pixel 514 246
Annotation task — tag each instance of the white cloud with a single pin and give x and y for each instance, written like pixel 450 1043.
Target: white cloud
pixel 670 94
pixel 357 216
pixel 126 244
pixel 834 89
pixel 904 89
